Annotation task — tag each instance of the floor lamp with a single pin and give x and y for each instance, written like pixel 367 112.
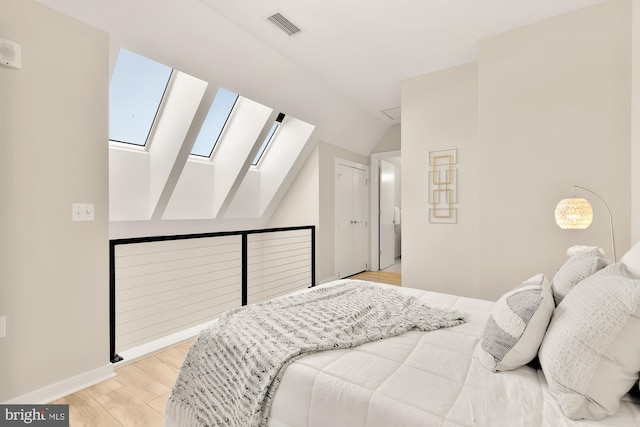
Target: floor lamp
pixel 576 213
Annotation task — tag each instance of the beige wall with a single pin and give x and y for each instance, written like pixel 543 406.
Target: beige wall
pixel 439 111
pixel 326 232
pixel 311 201
pixel 553 109
pixel 635 122
pixel 391 141
pixel 301 204
pixel 54 273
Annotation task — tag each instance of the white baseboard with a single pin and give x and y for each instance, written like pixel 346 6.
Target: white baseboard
pixel 146 349
pixel 65 387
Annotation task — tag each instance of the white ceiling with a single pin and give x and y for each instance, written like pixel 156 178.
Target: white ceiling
pixel 365 48
pixel 339 73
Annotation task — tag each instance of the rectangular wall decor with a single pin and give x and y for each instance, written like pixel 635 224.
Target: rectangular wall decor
pixel 443 186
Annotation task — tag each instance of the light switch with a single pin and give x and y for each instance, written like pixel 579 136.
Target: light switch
pixel 82 212
pixel 3 326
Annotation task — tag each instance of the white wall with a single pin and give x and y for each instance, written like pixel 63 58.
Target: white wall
pixel 128 196
pixel 206 183
pixel 54 273
pixel 552 105
pixel 289 141
pixel 168 136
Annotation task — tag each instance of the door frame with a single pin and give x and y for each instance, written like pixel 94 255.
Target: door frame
pixel 367 170
pixel 375 205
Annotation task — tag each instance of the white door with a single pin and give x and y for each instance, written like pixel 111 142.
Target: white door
pixel 387 223
pixel 352 225
pixel 360 220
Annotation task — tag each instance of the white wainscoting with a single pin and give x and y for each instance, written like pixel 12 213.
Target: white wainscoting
pixel 167 286
pixel 277 263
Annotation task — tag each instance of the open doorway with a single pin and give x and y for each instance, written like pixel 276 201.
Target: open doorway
pixel 386 208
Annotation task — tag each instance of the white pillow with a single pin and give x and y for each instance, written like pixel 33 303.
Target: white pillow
pixel 577 268
pixel 590 355
pixel 582 248
pixel 517 325
pixel 632 260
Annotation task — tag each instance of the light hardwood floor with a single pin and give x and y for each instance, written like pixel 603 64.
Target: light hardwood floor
pixel 137 395
pixel 380 276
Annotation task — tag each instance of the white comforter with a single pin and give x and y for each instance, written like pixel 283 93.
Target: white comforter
pixel 421 379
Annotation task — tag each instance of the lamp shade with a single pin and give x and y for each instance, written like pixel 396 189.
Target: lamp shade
pixel 574 213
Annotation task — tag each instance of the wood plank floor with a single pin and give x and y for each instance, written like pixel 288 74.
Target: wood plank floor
pixel 380 276
pixel 137 395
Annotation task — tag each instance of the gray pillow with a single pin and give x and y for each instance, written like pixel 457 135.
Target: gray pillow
pixel 590 355
pixel 517 325
pixel 577 268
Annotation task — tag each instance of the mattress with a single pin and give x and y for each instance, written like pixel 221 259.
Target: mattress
pixel 422 379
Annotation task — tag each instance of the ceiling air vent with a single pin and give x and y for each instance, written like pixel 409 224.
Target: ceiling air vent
pixel 392 113
pixel 288 27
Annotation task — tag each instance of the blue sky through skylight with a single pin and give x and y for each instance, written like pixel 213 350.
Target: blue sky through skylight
pixel 135 92
pixel 265 143
pixel 214 123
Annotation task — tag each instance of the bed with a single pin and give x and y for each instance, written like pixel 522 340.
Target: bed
pixel 441 377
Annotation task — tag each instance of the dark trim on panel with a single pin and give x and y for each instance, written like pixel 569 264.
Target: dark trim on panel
pixel 313 256
pixel 113 356
pixel 245 263
pixel 147 239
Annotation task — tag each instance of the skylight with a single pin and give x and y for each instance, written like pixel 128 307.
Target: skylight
pixel 137 87
pixel 268 139
pixel 213 125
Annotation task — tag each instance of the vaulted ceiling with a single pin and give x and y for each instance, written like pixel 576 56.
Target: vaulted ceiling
pixel 364 48
pixel 338 73
pixel 333 80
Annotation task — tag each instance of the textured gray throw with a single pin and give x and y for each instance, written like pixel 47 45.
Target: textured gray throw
pixel 233 368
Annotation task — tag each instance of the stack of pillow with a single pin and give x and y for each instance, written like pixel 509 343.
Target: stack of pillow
pixel 584 326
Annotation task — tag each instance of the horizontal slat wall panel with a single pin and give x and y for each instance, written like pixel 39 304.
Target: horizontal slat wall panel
pixel 163 287
pixel 167 284
pixel 199 272
pixel 278 263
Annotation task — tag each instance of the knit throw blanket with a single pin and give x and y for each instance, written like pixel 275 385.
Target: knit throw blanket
pixel 233 368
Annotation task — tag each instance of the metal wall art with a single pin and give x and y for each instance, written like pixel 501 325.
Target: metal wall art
pixel 443 186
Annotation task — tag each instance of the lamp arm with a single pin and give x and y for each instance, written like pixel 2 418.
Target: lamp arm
pixel 613 242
